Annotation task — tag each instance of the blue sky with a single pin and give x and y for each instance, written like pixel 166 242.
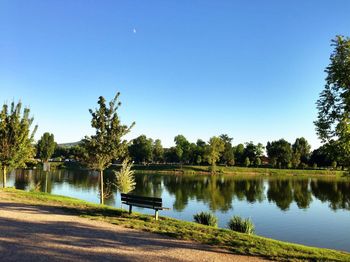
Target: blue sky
pixel 251 69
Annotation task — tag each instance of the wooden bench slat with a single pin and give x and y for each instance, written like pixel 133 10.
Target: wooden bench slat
pixel 129 196
pixel 149 203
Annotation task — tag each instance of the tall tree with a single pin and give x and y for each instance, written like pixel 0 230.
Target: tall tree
pixel 46 147
pixel 279 153
pixel 182 148
pixel 333 120
pixel 215 147
pixel 252 151
pixel 16 139
pixel 107 143
pixel 301 151
pixel 158 151
pixel 227 156
pixel 239 154
pixel 141 149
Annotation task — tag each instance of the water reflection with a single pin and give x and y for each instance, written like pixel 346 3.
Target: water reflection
pixel 217 192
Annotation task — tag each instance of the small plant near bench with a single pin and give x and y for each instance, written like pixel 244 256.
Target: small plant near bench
pixel 206 218
pixel 239 224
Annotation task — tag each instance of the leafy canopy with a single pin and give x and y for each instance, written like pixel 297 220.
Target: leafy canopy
pixel 333 120
pixel 46 146
pixel 16 139
pixel 107 143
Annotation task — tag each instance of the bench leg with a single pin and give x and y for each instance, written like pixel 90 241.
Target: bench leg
pixel 130 209
pixel 156 214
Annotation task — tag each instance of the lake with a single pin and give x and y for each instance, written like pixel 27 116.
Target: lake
pixel 312 211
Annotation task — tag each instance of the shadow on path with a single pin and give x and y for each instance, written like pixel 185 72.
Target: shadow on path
pixel 42 233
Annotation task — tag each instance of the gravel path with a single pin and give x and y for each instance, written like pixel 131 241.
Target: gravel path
pixel 40 233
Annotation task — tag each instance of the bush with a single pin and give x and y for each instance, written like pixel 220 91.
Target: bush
pixel 239 224
pixel 206 218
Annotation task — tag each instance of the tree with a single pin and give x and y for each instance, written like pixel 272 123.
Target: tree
pixel 257 161
pixel 182 148
pixel 16 140
pixel 107 143
pixel 158 151
pixel 333 105
pixel 214 150
pixel 227 156
pixel 279 152
pixel 324 155
pixel 125 180
pixel 252 151
pixel 247 162
pixel 301 151
pixel 200 151
pixel 46 147
pixel 238 153
pixel 141 149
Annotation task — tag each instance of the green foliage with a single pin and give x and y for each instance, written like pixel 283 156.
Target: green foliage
pixel 280 153
pixel 46 146
pixel 206 218
pixel 141 149
pixel 334 164
pixel 214 150
pixel 239 224
pixel 252 151
pixel 16 140
pixel 227 156
pixel 257 161
pixel 301 151
pixel 158 151
pixel 125 180
pixel 246 162
pixel 182 148
pixel 107 143
pixel 333 105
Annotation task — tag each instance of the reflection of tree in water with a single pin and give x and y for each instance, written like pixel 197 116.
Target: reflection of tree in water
pixel 336 192
pixel 148 185
pixel 302 194
pixel 21 179
pixel 251 190
pixel 280 192
pixel 216 191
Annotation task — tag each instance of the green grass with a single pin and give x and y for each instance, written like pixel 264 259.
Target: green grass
pixel 234 170
pixel 237 243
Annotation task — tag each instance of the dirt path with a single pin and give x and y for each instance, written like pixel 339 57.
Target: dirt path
pixel 40 233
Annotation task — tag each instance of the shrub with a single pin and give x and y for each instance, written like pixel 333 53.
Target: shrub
pixel 239 224
pixel 206 218
pixel 125 180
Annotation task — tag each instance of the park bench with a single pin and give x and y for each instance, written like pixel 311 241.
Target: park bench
pixel 145 202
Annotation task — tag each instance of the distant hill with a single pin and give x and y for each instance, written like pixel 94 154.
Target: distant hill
pixel 69 144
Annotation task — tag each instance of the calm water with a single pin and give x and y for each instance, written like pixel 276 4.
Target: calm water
pixel 310 211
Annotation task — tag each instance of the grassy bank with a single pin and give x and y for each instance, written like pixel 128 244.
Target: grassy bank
pixel 237 243
pixel 235 170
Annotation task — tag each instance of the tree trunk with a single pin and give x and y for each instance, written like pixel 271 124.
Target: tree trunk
pixel 101 188
pixel 45 181
pixel 4 176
